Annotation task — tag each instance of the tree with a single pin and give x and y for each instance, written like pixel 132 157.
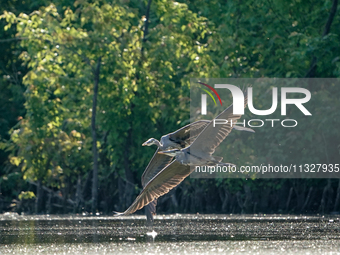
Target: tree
pixel 62 51
pixel 147 51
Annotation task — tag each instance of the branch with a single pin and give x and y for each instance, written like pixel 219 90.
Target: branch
pixel 312 68
pixel 146 26
pixel 330 18
pixel 53 193
pixel 86 59
pixel 13 39
pixel 145 33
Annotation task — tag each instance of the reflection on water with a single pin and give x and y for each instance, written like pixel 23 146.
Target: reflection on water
pixel 173 234
pixel 202 247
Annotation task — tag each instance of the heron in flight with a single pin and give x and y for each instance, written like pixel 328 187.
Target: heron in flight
pixel 175 140
pixel 159 181
pixel 179 139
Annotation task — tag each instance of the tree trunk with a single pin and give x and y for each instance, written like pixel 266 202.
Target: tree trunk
pixel 38 198
pixel 324 197
pixel 307 200
pixel 289 198
pixel 337 200
pixel 49 203
pixel 129 184
pixel 79 198
pixel 94 139
pixel 66 191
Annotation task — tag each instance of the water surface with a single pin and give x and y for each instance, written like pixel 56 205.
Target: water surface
pixel 171 234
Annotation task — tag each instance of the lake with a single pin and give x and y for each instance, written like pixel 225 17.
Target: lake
pixel 171 234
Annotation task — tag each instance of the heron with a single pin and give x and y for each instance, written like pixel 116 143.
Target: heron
pixel 179 139
pixel 199 152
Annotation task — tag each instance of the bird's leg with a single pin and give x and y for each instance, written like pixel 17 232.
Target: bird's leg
pixel 149 223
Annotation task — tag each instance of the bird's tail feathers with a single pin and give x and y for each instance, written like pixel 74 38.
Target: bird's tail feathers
pixel 116 214
pixel 239 128
pixel 218 159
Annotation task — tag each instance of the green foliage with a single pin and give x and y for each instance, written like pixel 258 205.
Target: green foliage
pixel 26 195
pixel 144 84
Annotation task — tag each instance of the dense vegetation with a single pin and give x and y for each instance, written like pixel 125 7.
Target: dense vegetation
pixel 84 83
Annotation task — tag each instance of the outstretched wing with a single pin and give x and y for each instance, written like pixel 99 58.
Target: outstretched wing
pixel 156 164
pixel 187 134
pixel 162 183
pixel 180 137
pixel 183 137
pixel 211 136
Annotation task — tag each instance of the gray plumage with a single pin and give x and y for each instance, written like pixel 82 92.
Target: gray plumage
pixel 199 152
pixel 179 139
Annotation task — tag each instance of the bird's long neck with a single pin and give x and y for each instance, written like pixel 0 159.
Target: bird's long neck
pixel 158 143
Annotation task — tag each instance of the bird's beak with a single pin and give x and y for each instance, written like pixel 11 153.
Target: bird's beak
pixel 144 144
pixel 171 153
